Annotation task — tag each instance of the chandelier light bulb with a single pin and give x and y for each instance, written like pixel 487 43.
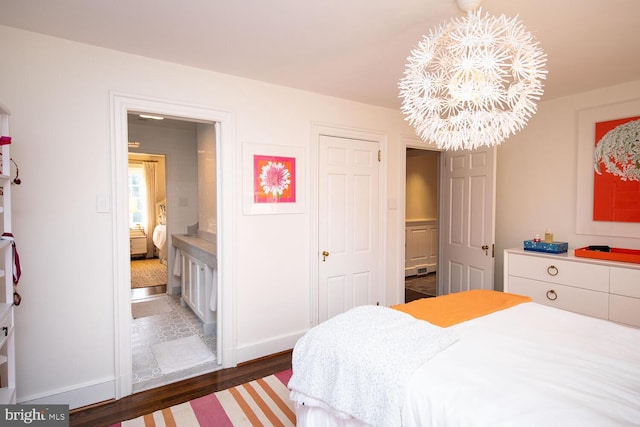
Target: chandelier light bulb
pixel 473 82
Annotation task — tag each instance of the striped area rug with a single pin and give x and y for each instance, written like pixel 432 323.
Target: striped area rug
pixel 263 402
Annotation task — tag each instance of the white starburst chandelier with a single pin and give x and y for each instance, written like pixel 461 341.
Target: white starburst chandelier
pixel 474 81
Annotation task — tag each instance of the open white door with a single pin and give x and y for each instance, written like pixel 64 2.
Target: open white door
pixel 349 224
pixel 468 220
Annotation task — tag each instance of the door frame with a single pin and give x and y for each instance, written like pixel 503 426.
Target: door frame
pixel 325 129
pixel 415 142
pixel 121 105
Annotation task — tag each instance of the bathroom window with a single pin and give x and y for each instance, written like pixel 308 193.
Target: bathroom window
pixel 137 197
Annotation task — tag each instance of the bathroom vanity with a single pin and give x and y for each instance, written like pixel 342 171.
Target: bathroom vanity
pixel 197 265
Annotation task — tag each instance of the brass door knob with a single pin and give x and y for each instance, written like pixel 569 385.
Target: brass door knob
pixel 325 254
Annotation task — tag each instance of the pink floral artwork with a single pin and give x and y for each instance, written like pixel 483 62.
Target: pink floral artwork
pixel 274 179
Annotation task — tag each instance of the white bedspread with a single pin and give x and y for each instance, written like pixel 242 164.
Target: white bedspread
pixel 526 366
pixel 160 241
pixel 160 235
pixel 338 365
pixel 530 365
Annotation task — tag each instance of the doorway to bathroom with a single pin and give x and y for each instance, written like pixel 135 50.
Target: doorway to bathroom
pixel 168 340
pixel 178 203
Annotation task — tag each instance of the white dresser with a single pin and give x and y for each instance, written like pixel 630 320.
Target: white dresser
pixel 604 289
pixel 137 243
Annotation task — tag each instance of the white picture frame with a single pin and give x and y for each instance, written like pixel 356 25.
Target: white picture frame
pixel 256 203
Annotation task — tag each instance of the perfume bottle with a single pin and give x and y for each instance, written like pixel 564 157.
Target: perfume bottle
pixel 548 236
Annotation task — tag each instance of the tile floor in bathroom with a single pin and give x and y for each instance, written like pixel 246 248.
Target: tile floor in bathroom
pixel 180 322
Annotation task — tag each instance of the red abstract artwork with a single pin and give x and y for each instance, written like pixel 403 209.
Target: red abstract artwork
pixel 616 183
pixel 274 179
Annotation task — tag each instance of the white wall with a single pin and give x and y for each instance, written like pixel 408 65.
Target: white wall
pixel 59 95
pixel 422 185
pixel 207 211
pixel 537 176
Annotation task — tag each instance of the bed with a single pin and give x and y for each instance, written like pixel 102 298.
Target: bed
pixel 159 235
pixel 160 241
pixel 477 358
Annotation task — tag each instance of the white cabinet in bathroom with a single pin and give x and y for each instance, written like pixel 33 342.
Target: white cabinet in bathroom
pixel 197 285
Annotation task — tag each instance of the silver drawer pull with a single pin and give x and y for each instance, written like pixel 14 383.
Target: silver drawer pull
pixel 551 295
pixel 552 270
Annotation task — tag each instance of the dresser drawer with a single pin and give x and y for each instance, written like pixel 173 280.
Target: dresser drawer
pixel 138 245
pixel 624 310
pixel 584 301
pixel 559 271
pixel 625 281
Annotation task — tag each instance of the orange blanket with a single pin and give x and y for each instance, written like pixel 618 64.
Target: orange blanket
pixel 447 310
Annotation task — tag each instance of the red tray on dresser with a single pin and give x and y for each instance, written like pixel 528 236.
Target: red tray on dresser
pixel 614 254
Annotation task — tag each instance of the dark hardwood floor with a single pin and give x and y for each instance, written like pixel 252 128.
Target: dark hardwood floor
pixel 112 412
pixel 410 295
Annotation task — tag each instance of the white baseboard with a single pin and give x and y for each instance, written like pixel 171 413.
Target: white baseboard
pixel 104 390
pixel 264 348
pixel 414 271
pixel 75 397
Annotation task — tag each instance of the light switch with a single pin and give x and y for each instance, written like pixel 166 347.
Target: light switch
pixel 102 204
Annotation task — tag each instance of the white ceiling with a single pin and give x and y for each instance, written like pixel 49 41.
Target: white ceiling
pixel 354 49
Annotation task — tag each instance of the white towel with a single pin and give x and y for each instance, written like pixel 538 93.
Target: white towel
pixel 358 363
pixel 177 264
